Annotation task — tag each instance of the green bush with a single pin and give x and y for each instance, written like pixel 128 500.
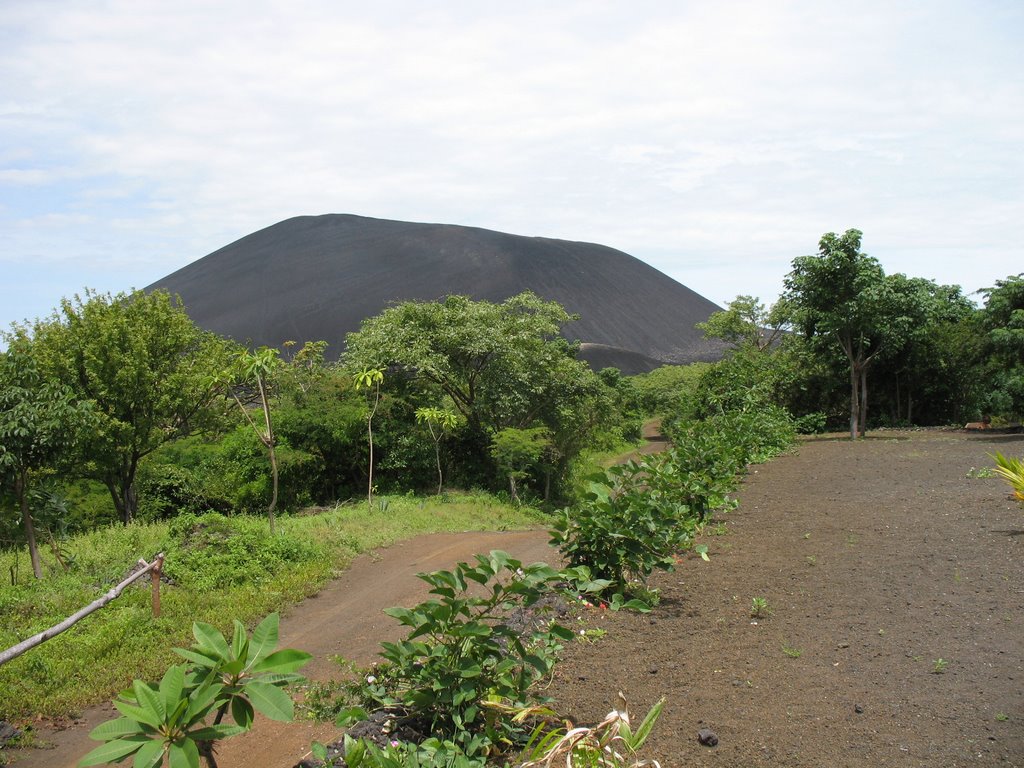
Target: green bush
pixel 462 651
pixel 631 520
pixel 210 551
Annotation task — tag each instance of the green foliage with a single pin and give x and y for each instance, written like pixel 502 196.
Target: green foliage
pixel 432 753
pixel 499 365
pixel 1002 326
pixel 211 551
pixel 665 390
pixel 630 521
pixel 40 423
pixel 515 451
pixel 169 720
pixel 759 608
pixel 461 651
pixel 1012 471
pixel 103 654
pixel 637 516
pixel 746 323
pixel 148 370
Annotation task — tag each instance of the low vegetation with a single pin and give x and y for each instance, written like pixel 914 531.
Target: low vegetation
pixel 221 568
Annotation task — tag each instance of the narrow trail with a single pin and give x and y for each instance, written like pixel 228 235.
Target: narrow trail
pixel 344 619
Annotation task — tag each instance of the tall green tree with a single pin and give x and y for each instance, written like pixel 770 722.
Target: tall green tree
pixel 147 368
pixel 494 361
pixel 501 365
pixel 841 295
pixel 1002 327
pixel 40 422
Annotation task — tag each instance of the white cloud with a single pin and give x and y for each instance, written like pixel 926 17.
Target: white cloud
pixel 690 134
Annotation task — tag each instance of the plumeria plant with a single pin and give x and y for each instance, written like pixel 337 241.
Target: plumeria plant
pixel 170 721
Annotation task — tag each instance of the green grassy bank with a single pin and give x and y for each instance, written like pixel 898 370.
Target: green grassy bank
pixel 222 568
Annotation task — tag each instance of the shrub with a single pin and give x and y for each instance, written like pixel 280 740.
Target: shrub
pixel 211 551
pixel 631 520
pixel 463 651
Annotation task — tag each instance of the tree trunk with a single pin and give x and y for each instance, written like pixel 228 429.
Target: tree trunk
pixel 21 489
pixel 273 480
pixel 512 488
pixel 272 453
pixel 854 400
pixel 863 420
pixel 437 454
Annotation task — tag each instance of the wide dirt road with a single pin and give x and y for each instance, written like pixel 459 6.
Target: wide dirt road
pixel 878 558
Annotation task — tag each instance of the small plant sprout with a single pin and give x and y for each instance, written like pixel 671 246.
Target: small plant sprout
pixel 1002 717
pixel 939 666
pixel 811 560
pixel 793 653
pixel 759 608
pixel 983 472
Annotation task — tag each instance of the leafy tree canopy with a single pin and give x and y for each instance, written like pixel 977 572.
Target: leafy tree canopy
pixel 147 368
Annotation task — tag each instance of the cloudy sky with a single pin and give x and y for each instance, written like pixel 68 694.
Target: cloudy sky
pixel 714 140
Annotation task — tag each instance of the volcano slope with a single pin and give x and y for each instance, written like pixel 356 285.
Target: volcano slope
pixel 315 278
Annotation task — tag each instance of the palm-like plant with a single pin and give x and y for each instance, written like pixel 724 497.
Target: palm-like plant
pixel 1012 471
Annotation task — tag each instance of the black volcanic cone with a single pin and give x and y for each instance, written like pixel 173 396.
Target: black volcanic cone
pixel 317 277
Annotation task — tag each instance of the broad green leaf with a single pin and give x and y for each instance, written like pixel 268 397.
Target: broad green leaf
pixel 209 639
pixel 238 641
pixel 139 714
pixel 150 755
pixel 171 686
pixel 241 711
pixel 150 700
pixel 183 754
pixel 198 658
pixel 216 732
pixel 270 700
pixel 264 638
pixel 114 729
pixel 350 716
pixel 285 660
pixel 113 751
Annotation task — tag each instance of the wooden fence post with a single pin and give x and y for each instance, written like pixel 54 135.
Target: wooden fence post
pixel 158 567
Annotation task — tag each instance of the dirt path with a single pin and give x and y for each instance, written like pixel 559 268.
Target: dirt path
pixel 344 619
pixel 878 558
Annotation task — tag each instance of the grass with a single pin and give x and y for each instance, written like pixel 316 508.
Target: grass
pixel 793 653
pixel 101 655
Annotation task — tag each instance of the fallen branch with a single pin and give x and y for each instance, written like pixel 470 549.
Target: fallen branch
pixel 15 651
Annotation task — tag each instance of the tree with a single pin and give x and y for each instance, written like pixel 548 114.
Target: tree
pixel 746 323
pixel 40 422
pixel 1002 323
pixel 254 372
pixel 439 422
pixel 147 368
pixel 500 365
pixel 841 294
pixel 370 378
pixel 516 450
pixel 491 360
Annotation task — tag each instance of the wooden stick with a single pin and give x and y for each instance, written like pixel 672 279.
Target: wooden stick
pixel 15 651
pixel 158 568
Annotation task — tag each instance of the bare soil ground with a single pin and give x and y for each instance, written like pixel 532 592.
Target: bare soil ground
pixel 878 558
